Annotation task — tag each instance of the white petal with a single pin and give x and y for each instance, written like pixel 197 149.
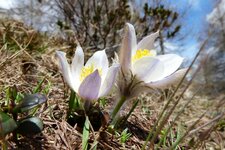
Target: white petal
pixel 90 86
pixel 129 44
pixel 65 68
pixel 168 81
pixel 171 63
pixel 77 64
pixel 109 80
pixel 148 41
pixel 148 69
pixel 100 61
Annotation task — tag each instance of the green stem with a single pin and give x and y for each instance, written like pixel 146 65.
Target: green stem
pixel 72 101
pixel 124 120
pixel 132 109
pixel 117 108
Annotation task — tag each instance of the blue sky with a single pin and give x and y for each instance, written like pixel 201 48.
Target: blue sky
pixel 194 22
pixel 196 16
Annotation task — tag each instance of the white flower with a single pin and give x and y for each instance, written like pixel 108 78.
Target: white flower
pixel 89 81
pixel 141 60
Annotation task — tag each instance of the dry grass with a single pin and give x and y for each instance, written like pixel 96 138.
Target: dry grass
pixel 22 65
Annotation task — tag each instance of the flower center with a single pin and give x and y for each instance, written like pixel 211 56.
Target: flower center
pixel 142 53
pixel 85 71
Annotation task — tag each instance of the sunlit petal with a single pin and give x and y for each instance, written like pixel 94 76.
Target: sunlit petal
pixel 65 68
pixel 100 61
pixel 148 69
pixel 168 81
pixel 171 63
pixel 90 86
pixel 148 41
pixel 109 80
pixel 128 46
pixel 77 64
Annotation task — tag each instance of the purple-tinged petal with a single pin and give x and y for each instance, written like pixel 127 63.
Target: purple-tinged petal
pixel 109 80
pixel 148 69
pixel 65 68
pixel 129 44
pixel 171 63
pixel 148 41
pixel 90 86
pixel 168 81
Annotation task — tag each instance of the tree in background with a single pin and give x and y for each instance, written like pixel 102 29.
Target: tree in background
pixel 95 23
pixel 151 16
pixel 160 18
pixel 214 70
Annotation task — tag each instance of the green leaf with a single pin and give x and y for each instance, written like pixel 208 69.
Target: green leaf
pixel 125 136
pixel 7 124
pixel 71 100
pixel 30 126
pixel 29 102
pixel 11 93
pixel 85 136
pixel 38 87
pixel 74 102
pixel 102 102
pixel 94 145
pixel 47 88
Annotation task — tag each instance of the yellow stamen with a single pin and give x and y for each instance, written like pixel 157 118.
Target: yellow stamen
pixel 141 53
pixel 85 71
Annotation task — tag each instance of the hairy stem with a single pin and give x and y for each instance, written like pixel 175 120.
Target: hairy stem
pixel 117 108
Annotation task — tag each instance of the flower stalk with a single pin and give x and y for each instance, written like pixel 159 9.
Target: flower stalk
pixel 117 108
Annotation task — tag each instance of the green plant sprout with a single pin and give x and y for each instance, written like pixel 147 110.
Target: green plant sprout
pixel 168 139
pixel 102 102
pixel 123 136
